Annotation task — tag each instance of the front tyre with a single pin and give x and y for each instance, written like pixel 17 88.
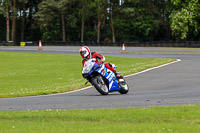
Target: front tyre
pixel 124 87
pixel 100 85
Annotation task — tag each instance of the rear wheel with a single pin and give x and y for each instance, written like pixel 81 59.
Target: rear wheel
pixel 100 85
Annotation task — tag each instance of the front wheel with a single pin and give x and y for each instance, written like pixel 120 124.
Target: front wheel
pixel 100 85
pixel 124 87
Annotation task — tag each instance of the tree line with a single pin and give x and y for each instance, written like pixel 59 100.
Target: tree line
pixel 99 20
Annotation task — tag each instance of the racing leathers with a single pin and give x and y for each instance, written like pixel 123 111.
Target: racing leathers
pixel 99 59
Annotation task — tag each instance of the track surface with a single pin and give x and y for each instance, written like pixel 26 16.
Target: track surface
pixel 175 84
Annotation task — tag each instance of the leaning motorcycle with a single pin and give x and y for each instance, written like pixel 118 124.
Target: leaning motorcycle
pixel 103 79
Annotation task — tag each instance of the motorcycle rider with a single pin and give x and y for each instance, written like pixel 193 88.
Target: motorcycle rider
pixel 99 59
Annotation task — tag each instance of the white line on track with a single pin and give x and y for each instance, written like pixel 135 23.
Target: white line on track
pixel 177 60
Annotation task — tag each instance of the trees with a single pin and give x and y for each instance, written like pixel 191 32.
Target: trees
pixel 85 13
pixel 62 6
pixel 7 21
pixel 114 10
pixel 5 10
pixel 133 22
pixel 23 10
pixel 100 11
pixel 17 20
pixel 54 8
pixel 185 19
pixel 99 20
pixel 47 18
pixel 14 15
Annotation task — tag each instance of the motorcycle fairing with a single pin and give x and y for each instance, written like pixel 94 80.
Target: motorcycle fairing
pixel 110 76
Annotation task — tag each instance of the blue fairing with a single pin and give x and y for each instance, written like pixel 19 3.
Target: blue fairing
pixel 95 67
pixel 92 67
pixel 110 76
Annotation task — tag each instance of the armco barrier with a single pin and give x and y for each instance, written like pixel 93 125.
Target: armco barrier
pixel 6 44
pixel 193 44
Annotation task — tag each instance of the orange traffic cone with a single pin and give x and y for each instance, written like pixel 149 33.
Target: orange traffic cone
pixel 123 48
pixel 40 45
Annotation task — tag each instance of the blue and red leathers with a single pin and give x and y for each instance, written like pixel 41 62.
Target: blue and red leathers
pixel 99 59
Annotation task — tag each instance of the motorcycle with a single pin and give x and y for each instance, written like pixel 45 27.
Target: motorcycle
pixel 103 79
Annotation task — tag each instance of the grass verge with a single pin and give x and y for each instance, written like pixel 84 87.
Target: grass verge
pixel 181 119
pixel 28 74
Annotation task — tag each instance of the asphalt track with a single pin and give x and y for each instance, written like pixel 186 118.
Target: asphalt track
pixel 173 84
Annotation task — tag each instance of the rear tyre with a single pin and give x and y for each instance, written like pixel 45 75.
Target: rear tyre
pixel 124 87
pixel 100 85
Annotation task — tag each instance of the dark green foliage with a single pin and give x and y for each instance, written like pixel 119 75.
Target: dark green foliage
pixel 125 21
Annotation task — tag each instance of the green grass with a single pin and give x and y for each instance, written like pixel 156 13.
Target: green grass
pixel 175 53
pixel 28 74
pixel 178 119
pixel 24 74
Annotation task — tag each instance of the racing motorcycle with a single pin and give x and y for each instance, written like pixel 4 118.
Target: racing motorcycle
pixel 103 79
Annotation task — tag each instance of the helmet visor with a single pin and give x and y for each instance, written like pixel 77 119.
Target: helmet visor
pixel 82 53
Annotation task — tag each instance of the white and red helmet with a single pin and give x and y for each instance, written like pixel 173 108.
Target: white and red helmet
pixel 85 52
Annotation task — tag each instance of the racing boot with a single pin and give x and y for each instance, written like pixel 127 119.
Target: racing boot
pixel 109 66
